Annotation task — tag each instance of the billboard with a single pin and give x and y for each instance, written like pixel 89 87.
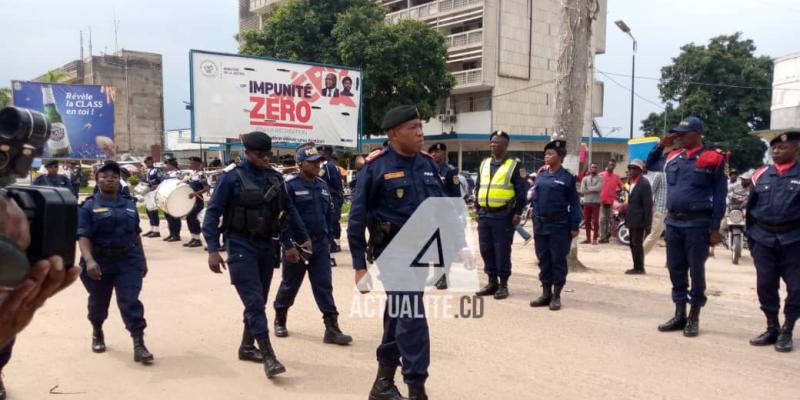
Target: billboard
pixel 82 117
pixel 292 102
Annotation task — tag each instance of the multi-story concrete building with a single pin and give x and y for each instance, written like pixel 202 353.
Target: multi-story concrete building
pixel 139 109
pixel 502 54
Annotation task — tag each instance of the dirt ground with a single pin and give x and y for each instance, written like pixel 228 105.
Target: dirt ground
pixel 602 345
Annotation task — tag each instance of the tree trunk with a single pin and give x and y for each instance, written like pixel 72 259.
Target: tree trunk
pixel 573 85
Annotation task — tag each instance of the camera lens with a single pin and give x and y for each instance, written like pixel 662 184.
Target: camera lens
pixel 23 125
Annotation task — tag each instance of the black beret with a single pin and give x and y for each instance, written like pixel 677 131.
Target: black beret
pixel 51 163
pixel 171 161
pixel 196 159
pixel 437 146
pixel 556 144
pixel 257 141
pixel 398 115
pixel 325 148
pixel 785 137
pixel 110 166
pixel 501 134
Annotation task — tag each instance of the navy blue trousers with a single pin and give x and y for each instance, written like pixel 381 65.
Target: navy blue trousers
pixel 772 264
pixel 494 238
pixel 336 216
pixel 174 225
pixel 153 216
pixel 251 274
pixel 552 250
pixel 122 275
pixel 191 219
pixel 406 340
pixel 687 251
pixel 319 274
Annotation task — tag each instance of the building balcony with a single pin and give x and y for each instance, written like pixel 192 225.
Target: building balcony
pixel 434 9
pixel 465 39
pixel 262 6
pixel 470 77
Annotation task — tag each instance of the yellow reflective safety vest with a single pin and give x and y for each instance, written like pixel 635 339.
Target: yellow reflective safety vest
pixel 496 191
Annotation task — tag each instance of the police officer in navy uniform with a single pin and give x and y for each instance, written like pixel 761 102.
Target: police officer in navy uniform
pixel 500 200
pixel 448 173
pixel 154 178
pixel 312 199
pixel 174 224
pixel 557 217
pixel 393 183
pixel 52 177
pixel 773 227
pixel 255 207
pixel 112 259
pixel 333 177
pixel 696 194
pixel 199 184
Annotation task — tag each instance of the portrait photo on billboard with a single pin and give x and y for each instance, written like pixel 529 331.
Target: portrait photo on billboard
pixel 81 117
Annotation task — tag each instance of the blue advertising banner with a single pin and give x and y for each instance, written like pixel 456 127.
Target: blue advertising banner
pixel 82 117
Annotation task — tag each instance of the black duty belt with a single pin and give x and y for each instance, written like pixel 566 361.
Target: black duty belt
pixel 689 215
pixel 780 228
pixel 107 251
pixel 505 208
pixel 551 219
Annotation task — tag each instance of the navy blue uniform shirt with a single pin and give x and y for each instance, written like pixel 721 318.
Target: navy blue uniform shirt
pixel 696 184
pixel 228 187
pixel 556 197
pixel 313 202
pixel 54 181
pixel 450 179
pixel 109 222
pixel 774 200
pixel 390 188
pixel 332 176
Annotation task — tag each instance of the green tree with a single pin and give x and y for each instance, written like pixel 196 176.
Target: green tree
pixel 726 85
pixel 55 76
pixel 402 63
pixel 5 97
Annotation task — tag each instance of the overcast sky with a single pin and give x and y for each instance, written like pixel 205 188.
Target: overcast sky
pixel 40 35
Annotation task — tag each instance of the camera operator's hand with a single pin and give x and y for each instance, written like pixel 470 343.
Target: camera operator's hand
pixel 47 277
pixel 93 270
pixel 13 223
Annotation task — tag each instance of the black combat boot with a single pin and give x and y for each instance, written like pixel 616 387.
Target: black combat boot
pixel 490 288
pixel 692 328
pixel 98 339
pixel 280 322
pixel 247 350
pixel 770 336
pixel 417 392
pixel 272 366
pixel 676 323
pixel 384 387
pixel 555 302
pixel 502 289
pixel 544 299
pixel 140 353
pixel 334 335
pixel 784 343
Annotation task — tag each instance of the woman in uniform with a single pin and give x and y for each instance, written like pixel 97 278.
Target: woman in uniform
pixel 557 216
pixel 113 259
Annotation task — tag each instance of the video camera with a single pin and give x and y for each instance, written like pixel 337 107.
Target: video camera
pixel 52 212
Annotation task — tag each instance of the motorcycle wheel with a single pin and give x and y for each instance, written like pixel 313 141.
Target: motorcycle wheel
pixel 624 234
pixel 736 249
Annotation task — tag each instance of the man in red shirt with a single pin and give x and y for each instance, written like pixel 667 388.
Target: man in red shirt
pixel 611 183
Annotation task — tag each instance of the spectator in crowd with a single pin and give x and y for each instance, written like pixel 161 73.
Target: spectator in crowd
pixel 591 184
pixel 639 216
pixel 658 186
pixel 608 193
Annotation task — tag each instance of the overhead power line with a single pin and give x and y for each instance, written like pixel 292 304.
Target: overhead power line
pixel 726 85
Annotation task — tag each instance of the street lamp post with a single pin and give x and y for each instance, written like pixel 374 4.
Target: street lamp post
pixel 626 29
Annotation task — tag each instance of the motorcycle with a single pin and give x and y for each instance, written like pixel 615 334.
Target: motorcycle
pixel 734 239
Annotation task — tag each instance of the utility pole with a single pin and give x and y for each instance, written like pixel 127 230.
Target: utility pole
pixel 572 85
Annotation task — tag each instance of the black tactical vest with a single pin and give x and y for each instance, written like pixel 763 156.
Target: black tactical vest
pixel 256 211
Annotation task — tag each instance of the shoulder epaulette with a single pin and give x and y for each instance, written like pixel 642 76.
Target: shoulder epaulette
pixel 375 154
pixel 760 171
pixel 229 168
